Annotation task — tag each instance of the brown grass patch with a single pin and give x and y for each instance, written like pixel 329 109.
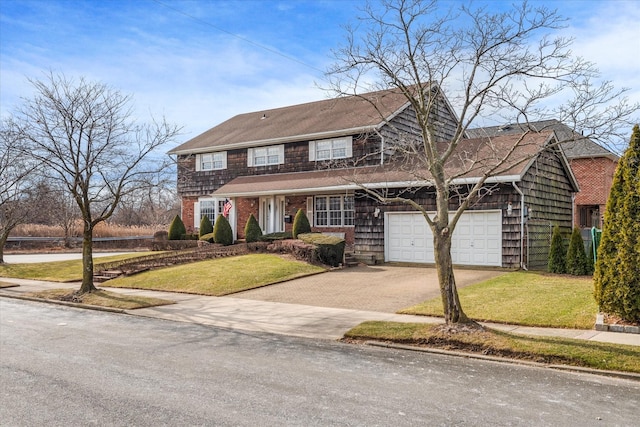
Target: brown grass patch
pixel 101 298
pixel 102 230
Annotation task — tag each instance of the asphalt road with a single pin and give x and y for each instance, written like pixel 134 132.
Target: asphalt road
pixel 73 367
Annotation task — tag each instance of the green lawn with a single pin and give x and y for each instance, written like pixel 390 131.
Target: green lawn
pixel 220 276
pixel 525 298
pixel 566 351
pixel 58 271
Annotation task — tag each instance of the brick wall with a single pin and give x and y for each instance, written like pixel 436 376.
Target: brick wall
pixel 594 176
pixel 244 208
pixel 187 213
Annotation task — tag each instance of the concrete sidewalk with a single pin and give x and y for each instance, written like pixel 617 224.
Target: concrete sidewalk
pixel 287 318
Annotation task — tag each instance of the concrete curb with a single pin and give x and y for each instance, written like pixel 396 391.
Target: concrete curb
pixel 606 327
pixel 616 374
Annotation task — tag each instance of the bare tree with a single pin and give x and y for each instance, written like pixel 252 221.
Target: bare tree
pixel 83 134
pixel 501 66
pixel 15 181
pixel 155 204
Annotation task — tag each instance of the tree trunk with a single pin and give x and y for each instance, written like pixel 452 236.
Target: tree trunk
pixel 453 312
pixel 87 260
pixel 3 241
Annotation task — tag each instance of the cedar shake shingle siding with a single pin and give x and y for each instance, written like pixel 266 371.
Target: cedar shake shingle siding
pixel 375 125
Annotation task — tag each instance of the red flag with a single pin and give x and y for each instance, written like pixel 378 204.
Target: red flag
pixel 227 209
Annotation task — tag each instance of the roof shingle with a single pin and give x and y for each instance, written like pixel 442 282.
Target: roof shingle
pixel 298 122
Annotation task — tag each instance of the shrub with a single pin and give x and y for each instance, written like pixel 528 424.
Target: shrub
pixel 617 275
pixel 222 232
pixel 205 226
pixel 577 263
pixel 557 254
pixel 329 249
pixel 282 235
pixel 252 230
pixel 176 229
pixel 207 237
pixel 300 224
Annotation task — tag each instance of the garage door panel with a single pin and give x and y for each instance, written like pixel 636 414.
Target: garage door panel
pixel 477 239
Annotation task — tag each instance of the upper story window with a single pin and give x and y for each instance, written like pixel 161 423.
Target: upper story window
pixel 330 149
pixel 211 161
pixel 264 156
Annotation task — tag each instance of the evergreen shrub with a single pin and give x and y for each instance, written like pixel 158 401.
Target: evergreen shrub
pixel 300 224
pixel 577 263
pixel 617 275
pixel 281 235
pixel 176 229
pixel 252 230
pixel 205 226
pixel 557 253
pixel 329 249
pixel 222 232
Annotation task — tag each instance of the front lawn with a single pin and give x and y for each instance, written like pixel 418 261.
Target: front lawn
pixel 220 276
pixel 565 351
pixel 58 271
pixel 525 298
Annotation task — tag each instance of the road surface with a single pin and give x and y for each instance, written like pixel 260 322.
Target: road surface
pixel 74 367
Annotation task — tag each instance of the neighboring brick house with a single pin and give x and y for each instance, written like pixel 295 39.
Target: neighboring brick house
pixel 318 157
pixel 593 167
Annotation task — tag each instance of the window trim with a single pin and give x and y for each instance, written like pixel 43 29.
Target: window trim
pixel 325 214
pixel 200 160
pixel 251 155
pixel 348 148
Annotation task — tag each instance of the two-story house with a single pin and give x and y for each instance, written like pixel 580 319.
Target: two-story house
pixel 319 156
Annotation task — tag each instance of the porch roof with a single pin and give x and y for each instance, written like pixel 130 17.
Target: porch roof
pixel 477 156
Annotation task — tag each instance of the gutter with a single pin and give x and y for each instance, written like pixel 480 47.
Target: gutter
pixel 272 141
pixel 524 267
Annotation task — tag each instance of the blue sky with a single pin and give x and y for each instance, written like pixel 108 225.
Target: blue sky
pixel 199 63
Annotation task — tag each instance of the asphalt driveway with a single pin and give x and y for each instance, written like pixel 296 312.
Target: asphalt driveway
pixel 385 288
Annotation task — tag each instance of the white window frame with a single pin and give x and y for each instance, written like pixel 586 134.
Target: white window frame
pixel 211 161
pixel 215 210
pixel 265 156
pixel 329 210
pixel 331 149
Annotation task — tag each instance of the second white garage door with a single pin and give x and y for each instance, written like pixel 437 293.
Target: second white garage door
pixel 477 239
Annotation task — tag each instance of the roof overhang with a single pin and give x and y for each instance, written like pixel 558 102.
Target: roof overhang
pixel 328 181
pixel 281 140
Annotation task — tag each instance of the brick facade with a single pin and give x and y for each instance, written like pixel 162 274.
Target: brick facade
pixel 594 176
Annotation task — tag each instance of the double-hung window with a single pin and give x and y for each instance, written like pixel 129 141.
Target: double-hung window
pixel 265 156
pixel 211 161
pixel 333 211
pixel 209 207
pixel 330 149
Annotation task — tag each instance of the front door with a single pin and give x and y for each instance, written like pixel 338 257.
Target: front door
pixel 272 214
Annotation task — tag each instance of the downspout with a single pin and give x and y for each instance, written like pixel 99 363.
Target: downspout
pixel 524 267
pixel 381 146
pixel 573 210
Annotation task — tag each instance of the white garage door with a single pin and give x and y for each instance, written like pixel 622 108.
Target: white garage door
pixel 477 239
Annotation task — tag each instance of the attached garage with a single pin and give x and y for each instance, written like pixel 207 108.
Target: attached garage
pixel 476 240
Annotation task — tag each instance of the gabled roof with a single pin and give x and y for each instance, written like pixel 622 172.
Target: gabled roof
pixel 314 120
pixel 575 146
pixel 480 154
